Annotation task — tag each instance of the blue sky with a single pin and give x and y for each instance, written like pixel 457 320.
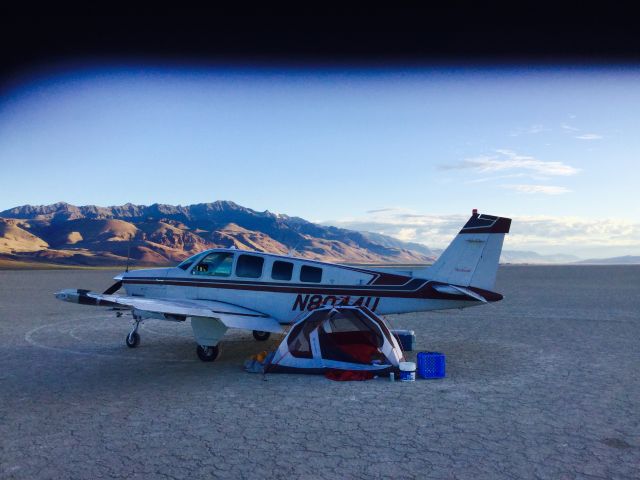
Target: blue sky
pixel 406 152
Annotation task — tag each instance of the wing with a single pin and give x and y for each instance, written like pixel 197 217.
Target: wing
pixel 233 316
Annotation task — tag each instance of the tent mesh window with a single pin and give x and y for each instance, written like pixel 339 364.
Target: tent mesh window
pixel 298 341
pixel 385 330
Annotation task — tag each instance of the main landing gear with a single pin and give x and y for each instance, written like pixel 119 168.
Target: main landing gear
pixel 261 336
pixel 133 339
pixel 207 353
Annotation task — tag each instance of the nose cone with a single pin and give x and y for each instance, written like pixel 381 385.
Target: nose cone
pixel 68 295
pixel 61 295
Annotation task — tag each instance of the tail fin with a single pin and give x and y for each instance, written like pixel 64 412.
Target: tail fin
pixel 471 260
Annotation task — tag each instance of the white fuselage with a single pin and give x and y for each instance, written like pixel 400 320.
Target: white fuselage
pixel 285 299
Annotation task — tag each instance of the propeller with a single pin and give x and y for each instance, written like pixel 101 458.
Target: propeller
pixel 113 288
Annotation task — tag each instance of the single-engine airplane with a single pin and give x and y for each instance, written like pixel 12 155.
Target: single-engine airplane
pixel 226 288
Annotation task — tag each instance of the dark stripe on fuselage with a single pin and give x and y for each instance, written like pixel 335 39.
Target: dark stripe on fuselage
pixel 412 286
pixel 390 279
pixel 417 288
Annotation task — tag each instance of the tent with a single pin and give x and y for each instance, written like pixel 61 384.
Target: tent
pixel 337 338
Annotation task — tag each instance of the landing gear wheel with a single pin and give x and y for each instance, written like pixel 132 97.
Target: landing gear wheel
pixel 207 354
pixel 261 336
pixel 133 340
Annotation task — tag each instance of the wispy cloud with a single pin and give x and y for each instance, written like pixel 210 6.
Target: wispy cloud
pixel 544 189
pixel 510 160
pixel 531 130
pixel 380 210
pixel 583 136
pixel 497 177
pixel 589 136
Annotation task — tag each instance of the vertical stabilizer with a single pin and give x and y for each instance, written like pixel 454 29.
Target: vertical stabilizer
pixel 471 260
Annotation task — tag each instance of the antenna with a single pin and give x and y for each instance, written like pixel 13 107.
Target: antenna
pixel 128 252
pixel 292 251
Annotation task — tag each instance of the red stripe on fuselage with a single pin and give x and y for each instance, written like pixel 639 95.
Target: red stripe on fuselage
pixel 417 288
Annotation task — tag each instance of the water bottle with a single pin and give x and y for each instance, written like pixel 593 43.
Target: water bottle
pixel 392 377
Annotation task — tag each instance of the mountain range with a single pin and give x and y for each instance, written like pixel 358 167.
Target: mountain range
pixel 65 234
pixel 165 234
pixel 624 260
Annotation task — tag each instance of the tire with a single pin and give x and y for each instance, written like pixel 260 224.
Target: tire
pixel 261 336
pixel 207 353
pixel 133 340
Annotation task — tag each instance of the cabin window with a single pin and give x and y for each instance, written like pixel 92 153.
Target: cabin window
pixel 249 266
pixel 310 274
pixel 216 264
pixel 282 270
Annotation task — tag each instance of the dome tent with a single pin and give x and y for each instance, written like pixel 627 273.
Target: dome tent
pixel 337 338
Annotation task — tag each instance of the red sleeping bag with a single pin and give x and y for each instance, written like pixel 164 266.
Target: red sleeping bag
pixel 362 354
pixel 348 375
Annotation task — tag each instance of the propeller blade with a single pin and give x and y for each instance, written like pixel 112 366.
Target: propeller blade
pixel 113 288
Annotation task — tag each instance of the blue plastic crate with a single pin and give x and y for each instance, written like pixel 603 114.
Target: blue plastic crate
pixel 406 339
pixel 431 365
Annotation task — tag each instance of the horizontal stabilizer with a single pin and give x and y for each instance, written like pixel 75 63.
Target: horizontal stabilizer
pixel 455 290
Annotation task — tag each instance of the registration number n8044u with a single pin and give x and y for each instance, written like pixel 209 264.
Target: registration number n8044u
pixel 311 302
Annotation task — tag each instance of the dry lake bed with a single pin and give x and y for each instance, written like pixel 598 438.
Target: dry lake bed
pixel 545 384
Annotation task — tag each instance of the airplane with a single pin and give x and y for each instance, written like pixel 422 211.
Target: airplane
pixel 225 288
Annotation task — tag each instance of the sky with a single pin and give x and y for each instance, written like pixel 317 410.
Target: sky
pixel 408 152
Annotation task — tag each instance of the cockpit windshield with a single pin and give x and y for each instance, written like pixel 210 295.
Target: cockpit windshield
pixel 189 261
pixel 217 264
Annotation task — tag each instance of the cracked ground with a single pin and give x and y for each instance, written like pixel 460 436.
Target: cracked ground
pixel 545 384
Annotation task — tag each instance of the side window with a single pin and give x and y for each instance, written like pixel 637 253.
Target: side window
pixel 249 266
pixel 215 265
pixel 310 274
pixel 281 270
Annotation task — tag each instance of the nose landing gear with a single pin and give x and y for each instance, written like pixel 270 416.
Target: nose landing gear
pixel 133 339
